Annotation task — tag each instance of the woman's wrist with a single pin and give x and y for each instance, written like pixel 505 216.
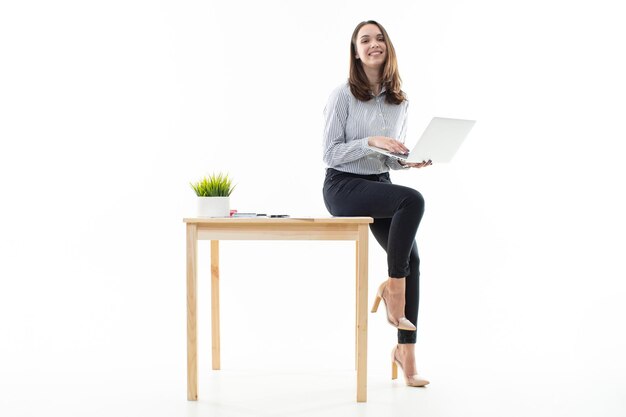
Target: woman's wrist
pixel 403 164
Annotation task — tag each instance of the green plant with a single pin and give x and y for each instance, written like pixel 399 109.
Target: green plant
pixel 215 185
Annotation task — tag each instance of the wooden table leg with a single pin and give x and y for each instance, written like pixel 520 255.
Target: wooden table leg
pixel 356 309
pixel 361 321
pixel 215 303
pixel 192 305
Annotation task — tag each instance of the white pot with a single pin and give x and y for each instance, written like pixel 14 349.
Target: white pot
pixel 213 206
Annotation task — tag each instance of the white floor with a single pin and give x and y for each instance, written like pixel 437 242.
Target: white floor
pixel 310 392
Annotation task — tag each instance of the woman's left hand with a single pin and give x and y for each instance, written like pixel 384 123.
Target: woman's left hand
pixel 417 164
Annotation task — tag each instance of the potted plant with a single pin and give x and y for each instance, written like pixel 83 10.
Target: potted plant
pixel 213 193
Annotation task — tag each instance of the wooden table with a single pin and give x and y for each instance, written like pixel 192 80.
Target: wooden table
pixel 216 229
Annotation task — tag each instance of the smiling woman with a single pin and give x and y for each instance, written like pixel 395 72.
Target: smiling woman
pixel 371 109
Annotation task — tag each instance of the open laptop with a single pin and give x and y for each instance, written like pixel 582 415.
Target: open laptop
pixel 439 142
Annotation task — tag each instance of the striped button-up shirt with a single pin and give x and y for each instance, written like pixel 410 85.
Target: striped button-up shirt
pixel 350 122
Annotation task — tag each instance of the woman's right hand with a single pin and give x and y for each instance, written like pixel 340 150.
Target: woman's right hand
pixel 388 144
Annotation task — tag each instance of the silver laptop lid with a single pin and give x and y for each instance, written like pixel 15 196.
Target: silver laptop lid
pixel 441 140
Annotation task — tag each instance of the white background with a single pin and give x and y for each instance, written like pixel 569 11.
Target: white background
pixel 109 109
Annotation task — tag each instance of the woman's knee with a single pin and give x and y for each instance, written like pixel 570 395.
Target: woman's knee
pixel 415 199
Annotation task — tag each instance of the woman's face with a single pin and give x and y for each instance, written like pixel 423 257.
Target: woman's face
pixel 371 47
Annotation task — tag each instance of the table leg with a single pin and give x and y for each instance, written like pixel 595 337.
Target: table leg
pixel 192 305
pixel 361 321
pixel 356 308
pixel 215 303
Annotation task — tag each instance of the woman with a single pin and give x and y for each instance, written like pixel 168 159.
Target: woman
pixel 371 109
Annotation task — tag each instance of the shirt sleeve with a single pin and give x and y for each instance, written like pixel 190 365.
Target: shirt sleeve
pixel 393 163
pixel 336 150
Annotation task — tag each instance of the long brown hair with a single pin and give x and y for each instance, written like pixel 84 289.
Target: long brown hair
pixel 390 77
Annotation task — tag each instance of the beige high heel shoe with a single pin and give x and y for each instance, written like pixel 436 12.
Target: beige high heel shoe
pixel 403 323
pixel 412 380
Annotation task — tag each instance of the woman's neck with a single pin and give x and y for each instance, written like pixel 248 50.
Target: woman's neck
pixel 373 79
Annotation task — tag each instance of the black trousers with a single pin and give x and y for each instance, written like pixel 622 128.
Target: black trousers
pixel 397 212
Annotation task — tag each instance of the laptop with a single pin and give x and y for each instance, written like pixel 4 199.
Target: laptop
pixel 439 142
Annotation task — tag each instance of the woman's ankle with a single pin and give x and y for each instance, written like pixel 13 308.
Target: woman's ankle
pixel 395 285
pixel 406 347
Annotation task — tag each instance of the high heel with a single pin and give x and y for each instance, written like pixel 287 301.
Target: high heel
pixel 403 323
pixel 411 381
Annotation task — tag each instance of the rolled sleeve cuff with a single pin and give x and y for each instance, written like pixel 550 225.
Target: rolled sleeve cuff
pixel 395 164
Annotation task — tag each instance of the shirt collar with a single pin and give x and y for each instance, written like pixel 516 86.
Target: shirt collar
pixel 382 90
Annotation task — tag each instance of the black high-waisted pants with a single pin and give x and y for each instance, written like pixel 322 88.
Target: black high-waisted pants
pixel 397 212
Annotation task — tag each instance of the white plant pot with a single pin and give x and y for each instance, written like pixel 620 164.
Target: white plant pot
pixel 213 206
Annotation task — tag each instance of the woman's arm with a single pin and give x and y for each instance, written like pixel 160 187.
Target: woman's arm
pixel 336 150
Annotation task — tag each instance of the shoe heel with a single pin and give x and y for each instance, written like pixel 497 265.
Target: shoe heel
pixel 376 303
pixel 412 381
pixel 379 296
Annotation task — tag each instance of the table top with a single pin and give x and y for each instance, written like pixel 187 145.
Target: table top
pixel 288 220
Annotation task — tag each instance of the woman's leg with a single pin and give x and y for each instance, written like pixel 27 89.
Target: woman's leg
pixel 380 230
pixel 397 212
